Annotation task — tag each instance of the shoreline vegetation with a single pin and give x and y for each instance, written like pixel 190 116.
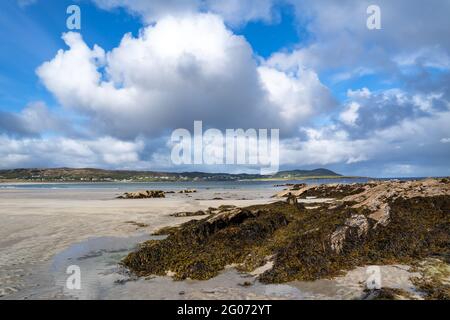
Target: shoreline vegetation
pixel 349 226
pixel 99 175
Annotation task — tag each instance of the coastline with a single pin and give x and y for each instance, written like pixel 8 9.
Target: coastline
pixel 45 230
pixel 39 224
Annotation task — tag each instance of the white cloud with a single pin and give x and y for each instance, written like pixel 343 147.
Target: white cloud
pixel 359 93
pixel 234 12
pixel 350 115
pixel 59 151
pixel 34 119
pixel 151 11
pixel 175 72
pixel 186 65
pixel 409 35
pixel 298 96
pixel 237 12
pixel 400 142
pixel 320 149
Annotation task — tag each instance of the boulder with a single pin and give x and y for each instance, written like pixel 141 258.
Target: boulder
pixel 143 194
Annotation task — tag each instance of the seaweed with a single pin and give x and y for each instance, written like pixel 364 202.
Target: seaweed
pixel 434 281
pixel 386 294
pixel 302 244
pixel 334 191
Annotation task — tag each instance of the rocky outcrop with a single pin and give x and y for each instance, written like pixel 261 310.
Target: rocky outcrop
pixel 376 196
pixel 188 191
pixel 384 223
pixel 293 190
pixel 143 194
pixel 189 214
pixel 357 225
pixel 292 200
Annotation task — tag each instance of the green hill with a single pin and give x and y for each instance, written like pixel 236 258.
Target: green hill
pixel 306 173
pixel 100 175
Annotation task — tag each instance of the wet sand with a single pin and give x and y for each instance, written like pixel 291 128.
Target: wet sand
pixel 43 231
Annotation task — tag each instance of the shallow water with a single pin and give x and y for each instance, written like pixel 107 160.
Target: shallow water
pixel 102 277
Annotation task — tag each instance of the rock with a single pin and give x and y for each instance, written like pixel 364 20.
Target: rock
pixel 386 294
pixel 381 216
pixel 143 194
pixel 297 187
pixel 246 284
pixel 189 214
pixel 357 223
pixel 187 191
pixel 292 200
pixel 225 207
pixel 137 224
pixel 295 190
pixel 337 238
pixel 394 222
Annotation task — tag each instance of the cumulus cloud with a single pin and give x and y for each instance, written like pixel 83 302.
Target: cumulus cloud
pixel 60 151
pixel 33 120
pixel 350 115
pixel 411 140
pixel 412 33
pixel 188 64
pixel 368 112
pixel 299 95
pixel 175 72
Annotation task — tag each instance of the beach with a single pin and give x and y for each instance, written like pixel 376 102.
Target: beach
pixel 37 224
pixel 46 230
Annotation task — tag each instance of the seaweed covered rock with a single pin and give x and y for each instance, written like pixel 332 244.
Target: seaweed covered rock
pixel 200 249
pixel 386 294
pixel 434 280
pixel 143 194
pixel 189 214
pixel 188 191
pixel 336 191
pixel 307 244
pixel 356 224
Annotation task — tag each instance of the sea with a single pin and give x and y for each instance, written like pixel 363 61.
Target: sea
pixel 180 185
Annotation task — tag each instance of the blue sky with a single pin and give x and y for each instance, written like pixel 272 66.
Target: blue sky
pixel 359 101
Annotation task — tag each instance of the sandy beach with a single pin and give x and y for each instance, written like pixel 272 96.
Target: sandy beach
pixel 37 224
pixel 43 231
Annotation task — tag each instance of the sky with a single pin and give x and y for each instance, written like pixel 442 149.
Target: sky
pixel 360 101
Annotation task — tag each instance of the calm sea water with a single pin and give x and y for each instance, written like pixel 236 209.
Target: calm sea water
pixel 181 185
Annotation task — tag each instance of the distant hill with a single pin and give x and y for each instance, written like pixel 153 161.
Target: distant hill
pixel 100 175
pixel 306 173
